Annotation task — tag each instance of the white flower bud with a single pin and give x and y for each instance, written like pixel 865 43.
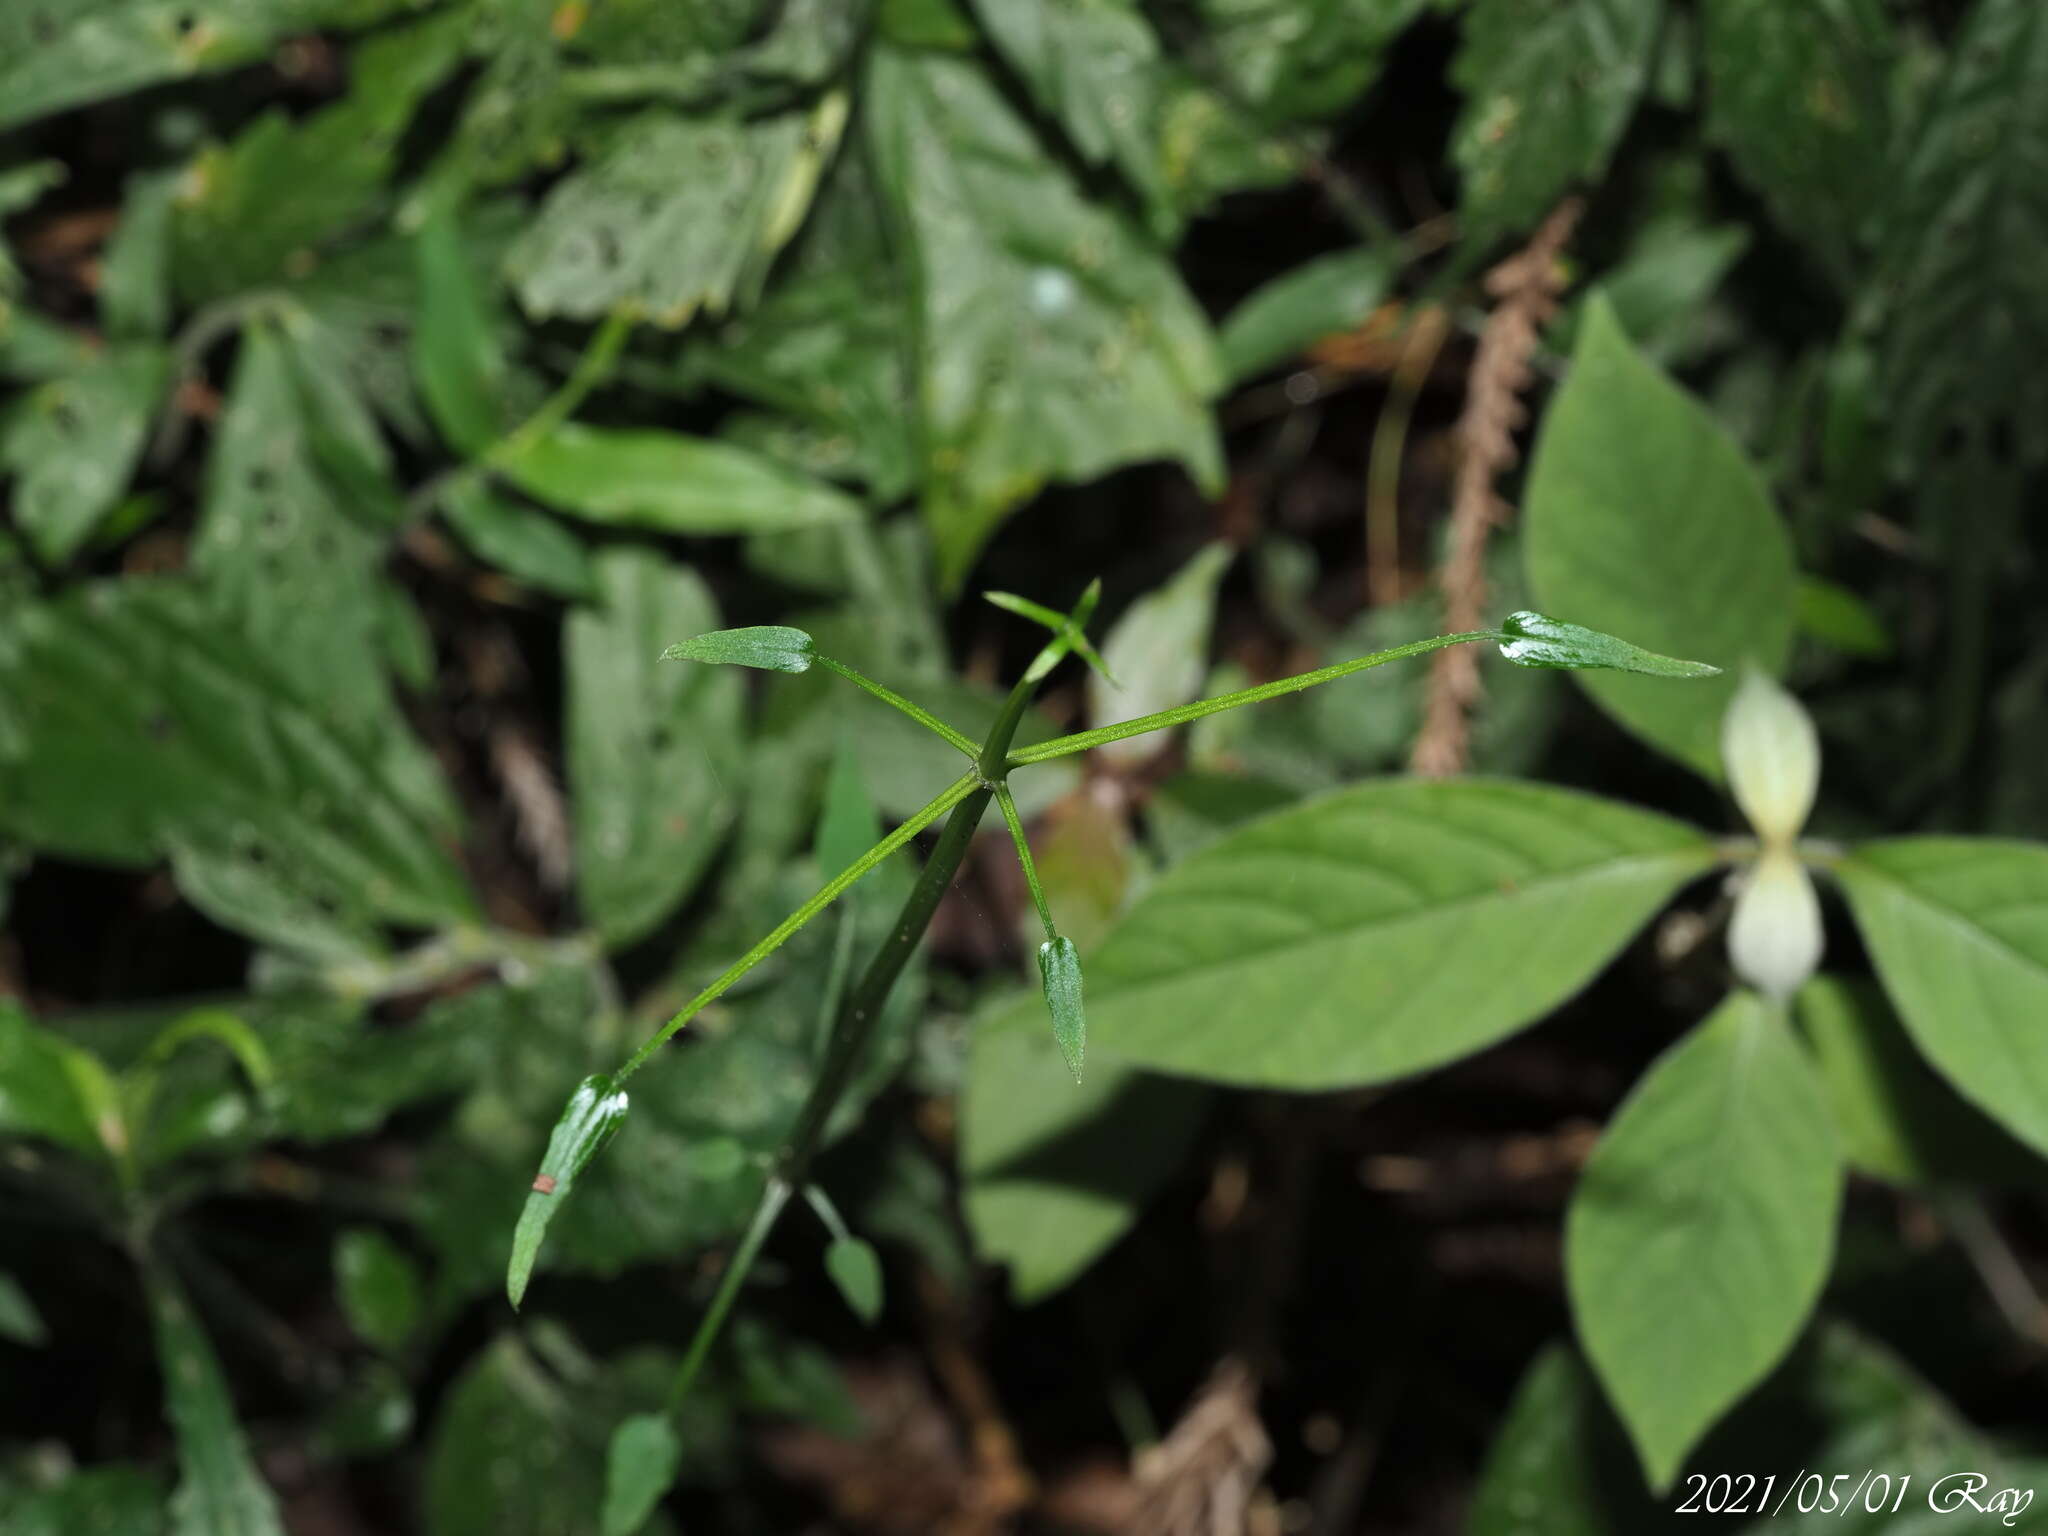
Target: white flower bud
pixel 1772 757
pixel 1774 938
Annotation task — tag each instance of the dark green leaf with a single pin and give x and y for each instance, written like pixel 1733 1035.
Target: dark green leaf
pixel 1536 640
pixel 591 1118
pixel 1303 59
pixel 656 753
pixel 1096 67
pixel 1837 617
pixel 857 1272
pixel 1955 928
pixel 55 54
pixel 131 726
pixel 455 348
pixel 257 209
pixel 20 1323
pixel 1549 86
pixel 111 1500
pixel 371 1415
pixel 1800 95
pixel 628 230
pixel 378 1286
pixel 1644 519
pixel 668 483
pixel 1898 1120
pixel 52 1089
pixel 639 1468
pixel 519 1450
pixel 135 276
pixel 73 443
pixel 1703 1227
pixel 1318 298
pixel 1963 293
pixel 1059 977
pixel 1056 1171
pixel 771 646
pixel 1341 916
pixel 220 1492
pixel 522 541
pixel 1054 344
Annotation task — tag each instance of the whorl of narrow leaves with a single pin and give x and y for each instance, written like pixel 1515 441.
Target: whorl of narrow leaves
pixel 1059 971
pixel 1536 640
pixel 773 647
pixel 592 1116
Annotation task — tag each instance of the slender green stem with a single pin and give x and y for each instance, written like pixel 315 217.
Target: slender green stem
pixel 923 717
pixel 994 759
pixel 1082 741
pixel 774 1196
pixel 960 789
pixel 591 370
pixel 1008 805
pixel 828 1213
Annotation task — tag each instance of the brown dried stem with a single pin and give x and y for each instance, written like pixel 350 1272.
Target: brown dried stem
pixel 1525 290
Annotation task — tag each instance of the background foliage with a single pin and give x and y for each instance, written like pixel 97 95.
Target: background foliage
pixel 387 383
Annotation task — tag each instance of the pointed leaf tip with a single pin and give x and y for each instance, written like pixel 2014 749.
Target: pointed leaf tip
pixel 640 1464
pixel 1537 640
pixel 772 647
pixel 592 1116
pixel 1059 971
pixel 857 1271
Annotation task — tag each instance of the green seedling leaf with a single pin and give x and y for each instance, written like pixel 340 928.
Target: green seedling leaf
pixel 378 1286
pixel 592 1116
pixel 857 1272
pixel 1059 972
pixel 774 647
pixel 639 1468
pixel 1536 640
pixel 220 1492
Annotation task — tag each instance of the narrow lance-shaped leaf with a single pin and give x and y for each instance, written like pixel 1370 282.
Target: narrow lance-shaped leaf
pixel 220 1492
pixel 1059 972
pixel 592 1116
pixel 857 1272
pixel 1536 640
pixel 639 1468
pixel 456 356
pixel 773 647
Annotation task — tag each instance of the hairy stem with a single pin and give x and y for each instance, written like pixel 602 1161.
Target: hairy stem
pixel 1008 805
pixel 922 716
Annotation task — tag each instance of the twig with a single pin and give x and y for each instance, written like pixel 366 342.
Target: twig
pixel 1525 289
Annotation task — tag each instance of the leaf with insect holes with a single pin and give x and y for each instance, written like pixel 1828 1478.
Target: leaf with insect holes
pixel 592 1116
pixel 857 1272
pixel 1536 640
pixel 1059 972
pixel 773 647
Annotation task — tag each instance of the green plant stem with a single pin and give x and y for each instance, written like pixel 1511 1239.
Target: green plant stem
pixel 773 1198
pixel 968 799
pixel 994 762
pixel 1007 803
pixel 591 370
pixel 923 717
pixel 1082 741
pixel 960 789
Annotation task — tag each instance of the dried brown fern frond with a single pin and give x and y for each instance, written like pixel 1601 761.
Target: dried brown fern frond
pixel 1524 290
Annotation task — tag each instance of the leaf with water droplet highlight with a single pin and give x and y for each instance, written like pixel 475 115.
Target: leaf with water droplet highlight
pixel 1537 640
pixel 774 647
pixel 857 1271
pixel 593 1114
pixel 1059 970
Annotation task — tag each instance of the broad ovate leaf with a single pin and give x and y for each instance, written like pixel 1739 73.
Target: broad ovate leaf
pixel 1958 930
pixel 1379 930
pixel 856 1271
pixel 1645 519
pixel 1703 1228
pixel 591 1118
